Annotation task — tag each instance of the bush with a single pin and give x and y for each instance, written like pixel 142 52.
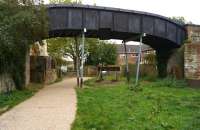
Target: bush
pixel 146 70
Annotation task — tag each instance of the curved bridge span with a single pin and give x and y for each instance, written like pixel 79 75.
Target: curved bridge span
pixel 112 23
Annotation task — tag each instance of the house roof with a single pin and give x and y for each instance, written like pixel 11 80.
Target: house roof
pixel 131 48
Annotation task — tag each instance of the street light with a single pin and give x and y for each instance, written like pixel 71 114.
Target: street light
pixel 82 54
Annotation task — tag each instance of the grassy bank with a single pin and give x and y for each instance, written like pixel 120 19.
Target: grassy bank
pixel 15 97
pixel 157 105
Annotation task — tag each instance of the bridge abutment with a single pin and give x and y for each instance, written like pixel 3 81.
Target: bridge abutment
pixel 162 57
pixel 192 56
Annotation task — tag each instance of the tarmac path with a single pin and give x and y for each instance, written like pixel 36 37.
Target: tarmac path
pixel 52 108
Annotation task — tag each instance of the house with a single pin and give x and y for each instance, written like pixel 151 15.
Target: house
pixel 132 53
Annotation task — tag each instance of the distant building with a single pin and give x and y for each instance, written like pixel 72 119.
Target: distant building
pixel 38 49
pixel 42 67
pixel 132 53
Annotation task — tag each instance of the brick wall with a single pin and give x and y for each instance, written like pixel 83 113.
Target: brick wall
pixel 121 59
pixel 193 33
pixel 192 61
pixel 192 56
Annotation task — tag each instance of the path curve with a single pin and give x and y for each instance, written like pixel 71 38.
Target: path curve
pixel 52 108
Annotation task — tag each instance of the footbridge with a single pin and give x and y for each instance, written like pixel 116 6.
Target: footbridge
pixel 106 23
pixel 113 23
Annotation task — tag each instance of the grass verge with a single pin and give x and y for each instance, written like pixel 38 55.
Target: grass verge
pixel 159 105
pixel 7 101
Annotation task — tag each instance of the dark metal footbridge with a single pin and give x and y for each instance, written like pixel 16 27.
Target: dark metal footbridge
pixel 113 23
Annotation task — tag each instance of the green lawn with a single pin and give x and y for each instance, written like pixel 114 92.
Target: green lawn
pixel 10 100
pixel 158 105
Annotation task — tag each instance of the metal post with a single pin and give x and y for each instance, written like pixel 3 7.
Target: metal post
pixel 139 58
pixel 82 56
pixel 126 60
pixel 77 61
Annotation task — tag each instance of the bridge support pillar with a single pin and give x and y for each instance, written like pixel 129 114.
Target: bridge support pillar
pixel 162 57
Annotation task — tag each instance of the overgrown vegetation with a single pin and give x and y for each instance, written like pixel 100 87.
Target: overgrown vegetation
pixel 176 63
pixel 180 20
pixel 146 70
pixel 96 51
pixel 9 100
pixel 165 104
pixel 21 24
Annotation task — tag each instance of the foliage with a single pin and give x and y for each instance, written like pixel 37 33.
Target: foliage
pixel 65 1
pixel 58 47
pixel 98 50
pixel 21 24
pixel 114 107
pixel 101 52
pixel 150 59
pixel 180 20
pixel 15 97
pixel 176 63
pixel 61 47
pixel 170 82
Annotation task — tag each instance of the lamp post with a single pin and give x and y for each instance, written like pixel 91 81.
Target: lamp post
pixel 139 58
pixel 82 55
pixel 77 61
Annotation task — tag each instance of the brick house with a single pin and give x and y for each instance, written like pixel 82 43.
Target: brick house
pixel 132 53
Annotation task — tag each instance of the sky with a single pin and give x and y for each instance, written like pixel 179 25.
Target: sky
pixel 189 9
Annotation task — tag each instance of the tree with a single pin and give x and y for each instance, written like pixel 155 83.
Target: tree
pixel 60 47
pixel 21 24
pixel 181 20
pixel 101 52
pixel 150 59
pixel 97 50
pixel 64 1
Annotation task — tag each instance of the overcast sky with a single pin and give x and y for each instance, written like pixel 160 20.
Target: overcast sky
pixel 190 9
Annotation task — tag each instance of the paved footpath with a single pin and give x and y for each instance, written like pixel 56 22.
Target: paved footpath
pixel 52 108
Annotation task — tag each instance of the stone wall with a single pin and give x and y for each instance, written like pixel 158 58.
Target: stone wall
pixel 51 76
pixel 6 83
pixel 42 70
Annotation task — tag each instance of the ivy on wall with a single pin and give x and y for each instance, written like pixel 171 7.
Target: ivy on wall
pixel 21 24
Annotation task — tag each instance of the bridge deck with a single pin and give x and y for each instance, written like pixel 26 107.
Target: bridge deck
pixel 114 23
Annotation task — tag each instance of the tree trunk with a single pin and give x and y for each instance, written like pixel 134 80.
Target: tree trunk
pixel 74 62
